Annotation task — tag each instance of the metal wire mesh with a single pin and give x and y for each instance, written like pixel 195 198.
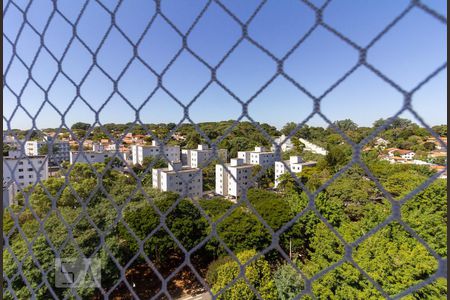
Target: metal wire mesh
pixel 280 62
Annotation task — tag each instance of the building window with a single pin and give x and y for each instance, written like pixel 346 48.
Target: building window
pixel 20 162
pixel 21 177
pixel 20 170
pixel 30 176
pixel 30 169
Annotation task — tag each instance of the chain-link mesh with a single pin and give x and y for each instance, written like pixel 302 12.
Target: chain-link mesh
pixel 102 232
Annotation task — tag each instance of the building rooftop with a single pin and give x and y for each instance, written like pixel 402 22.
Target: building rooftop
pixel 304 163
pixel 184 169
pixel 242 166
pixel 25 157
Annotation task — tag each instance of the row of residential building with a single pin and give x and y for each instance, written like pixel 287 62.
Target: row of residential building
pixel 134 150
pixel 230 178
pixel 183 174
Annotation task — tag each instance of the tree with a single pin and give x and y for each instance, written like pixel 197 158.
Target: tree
pixel 185 222
pixel 337 156
pixel 209 175
pixel 429 146
pixel 426 213
pixel 298 146
pixel 46 150
pixel 171 126
pixel 402 183
pixel 346 125
pixel 264 179
pixel 7 148
pixel 270 206
pixel 288 128
pixel 378 123
pixel 400 123
pixel 36 135
pixel 257 272
pixel 117 162
pixel 242 230
pixel 395 259
pixel 80 126
pixel 440 129
pixel 288 281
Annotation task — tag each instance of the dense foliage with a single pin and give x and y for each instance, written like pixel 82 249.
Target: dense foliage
pixel 138 224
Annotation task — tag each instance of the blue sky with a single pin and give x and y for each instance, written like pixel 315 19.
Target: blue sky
pixel 408 53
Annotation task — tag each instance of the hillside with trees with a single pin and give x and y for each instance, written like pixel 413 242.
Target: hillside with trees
pixel 148 233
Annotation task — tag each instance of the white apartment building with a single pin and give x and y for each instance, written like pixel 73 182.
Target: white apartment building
pixel 226 185
pixel 294 164
pixel 313 147
pixel 186 157
pixel 98 147
pixel 198 158
pixel 258 157
pixel 286 146
pixel 180 179
pixel 139 152
pixel 61 153
pixel 405 154
pixel 90 157
pixel 19 172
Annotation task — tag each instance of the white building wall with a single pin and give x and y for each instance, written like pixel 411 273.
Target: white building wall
pixel 280 169
pixel 198 158
pixel 233 182
pixel 89 156
pixel 312 147
pixel 156 178
pixel 294 165
pixel 97 147
pixel 171 181
pixel 245 156
pixel 186 157
pixel 140 152
pixel 258 157
pixel 242 180
pixel 23 172
pixel 221 181
pixel 57 157
pixel 9 194
pixel 408 156
pixel 264 159
pixel 31 148
pixel 286 146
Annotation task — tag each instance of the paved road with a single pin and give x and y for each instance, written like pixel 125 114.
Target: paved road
pixel 204 296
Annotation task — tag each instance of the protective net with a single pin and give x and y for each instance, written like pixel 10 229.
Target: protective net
pixel 129 253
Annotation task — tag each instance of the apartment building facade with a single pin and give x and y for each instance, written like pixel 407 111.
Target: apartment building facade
pixel 313 147
pixel 90 157
pixel 286 146
pixel 139 152
pixel 198 158
pixel 19 172
pixel 294 165
pixel 258 157
pixel 233 182
pixel 57 154
pixel 177 178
